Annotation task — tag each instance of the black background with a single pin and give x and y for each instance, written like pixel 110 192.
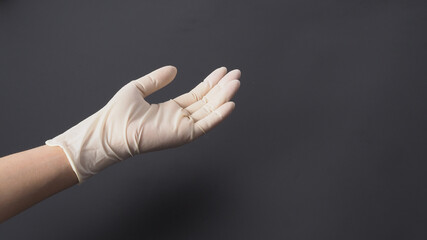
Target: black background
pixel 328 139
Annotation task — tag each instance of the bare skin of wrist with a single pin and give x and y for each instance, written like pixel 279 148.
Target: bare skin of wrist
pixel 28 177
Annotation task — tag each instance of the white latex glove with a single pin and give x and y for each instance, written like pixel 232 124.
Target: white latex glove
pixel 129 125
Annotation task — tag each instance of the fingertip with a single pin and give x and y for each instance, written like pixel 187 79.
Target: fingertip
pixel 237 73
pixel 232 105
pixel 236 82
pixel 232 87
pixel 226 109
pixel 222 70
pixel 171 69
pixel 166 73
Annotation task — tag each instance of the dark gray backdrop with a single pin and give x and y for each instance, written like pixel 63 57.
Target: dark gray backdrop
pixel 328 139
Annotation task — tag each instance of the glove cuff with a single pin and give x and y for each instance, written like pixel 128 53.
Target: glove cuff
pixel 85 149
pixel 54 143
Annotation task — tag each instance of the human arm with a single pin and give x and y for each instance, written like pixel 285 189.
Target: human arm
pixel 126 126
pixel 30 176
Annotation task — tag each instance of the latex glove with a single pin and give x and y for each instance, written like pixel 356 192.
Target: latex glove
pixel 128 125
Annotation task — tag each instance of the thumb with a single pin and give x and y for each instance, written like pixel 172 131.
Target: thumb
pixel 156 80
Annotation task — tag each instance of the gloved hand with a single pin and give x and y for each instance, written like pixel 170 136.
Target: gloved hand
pixel 128 125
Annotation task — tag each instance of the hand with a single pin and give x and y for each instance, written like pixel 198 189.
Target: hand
pixel 128 125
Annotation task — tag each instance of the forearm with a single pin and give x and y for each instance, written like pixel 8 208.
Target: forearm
pixel 30 176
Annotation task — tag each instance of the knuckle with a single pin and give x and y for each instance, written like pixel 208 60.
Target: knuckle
pixel 195 95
